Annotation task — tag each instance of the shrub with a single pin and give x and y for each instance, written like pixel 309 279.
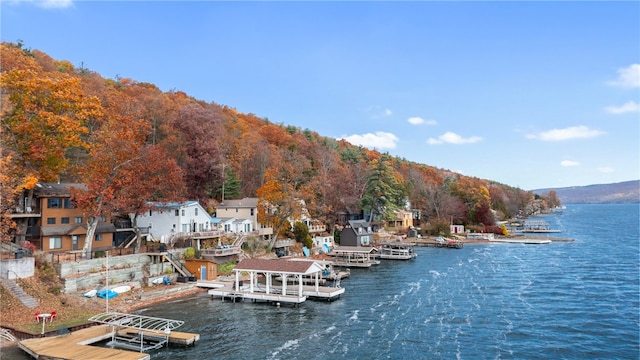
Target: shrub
pixel 190 253
pixel 226 268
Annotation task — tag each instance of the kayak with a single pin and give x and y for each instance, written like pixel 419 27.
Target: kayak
pixel 121 289
pixel 107 294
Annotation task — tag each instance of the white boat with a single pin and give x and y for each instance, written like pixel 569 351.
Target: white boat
pixel 121 289
pixel 91 293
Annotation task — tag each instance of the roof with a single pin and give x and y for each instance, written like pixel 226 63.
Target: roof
pixel 353 249
pixel 70 229
pixel 242 203
pixel 359 224
pixel 278 266
pixel 57 189
pixel 172 205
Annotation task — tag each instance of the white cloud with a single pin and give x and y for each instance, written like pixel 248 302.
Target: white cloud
pixel 379 140
pixel 574 132
pixel 378 112
pixel 569 163
pixel 627 77
pixel 453 138
pixel 605 169
pixel 629 106
pixel 416 120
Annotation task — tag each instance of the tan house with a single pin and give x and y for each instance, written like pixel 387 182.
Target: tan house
pixel 246 208
pixel 403 220
pixel 50 220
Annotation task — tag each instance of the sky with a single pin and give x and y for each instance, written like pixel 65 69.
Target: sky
pixel 538 94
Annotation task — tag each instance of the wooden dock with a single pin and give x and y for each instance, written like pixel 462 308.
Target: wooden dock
pixel 227 290
pixel 75 345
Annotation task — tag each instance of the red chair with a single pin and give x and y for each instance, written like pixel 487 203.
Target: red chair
pixel 53 316
pixel 37 317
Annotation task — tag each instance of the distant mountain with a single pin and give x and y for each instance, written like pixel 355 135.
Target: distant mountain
pixel 617 193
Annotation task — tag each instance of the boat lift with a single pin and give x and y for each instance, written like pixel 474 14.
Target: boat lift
pixel 137 332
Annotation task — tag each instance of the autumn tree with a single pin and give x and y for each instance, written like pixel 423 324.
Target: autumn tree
pixel 123 172
pixel 43 116
pixel 194 146
pixel 475 195
pixel 279 200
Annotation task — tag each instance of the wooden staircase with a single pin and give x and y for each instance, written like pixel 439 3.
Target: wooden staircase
pixel 177 264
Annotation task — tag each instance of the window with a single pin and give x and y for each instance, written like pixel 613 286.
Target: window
pixel 64 220
pixel 236 209
pixel 196 211
pixel 251 211
pixel 51 221
pixel 54 203
pixel 98 237
pixel 182 212
pixel 68 204
pixel 78 220
pixel 55 243
pixel 177 212
pixel 150 213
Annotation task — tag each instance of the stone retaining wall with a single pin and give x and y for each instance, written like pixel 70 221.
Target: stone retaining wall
pixel 90 274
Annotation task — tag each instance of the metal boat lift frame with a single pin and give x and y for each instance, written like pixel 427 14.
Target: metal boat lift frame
pixel 157 330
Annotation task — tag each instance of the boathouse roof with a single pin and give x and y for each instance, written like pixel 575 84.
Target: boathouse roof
pixel 278 266
pixel 354 249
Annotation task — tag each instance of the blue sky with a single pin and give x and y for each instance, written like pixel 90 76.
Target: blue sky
pixel 529 94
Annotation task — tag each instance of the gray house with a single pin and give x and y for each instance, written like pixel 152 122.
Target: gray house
pixel 356 233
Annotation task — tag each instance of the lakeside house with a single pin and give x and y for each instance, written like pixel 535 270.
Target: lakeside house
pixel 356 233
pixel 245 208
pixel 173 219
pixel 46 217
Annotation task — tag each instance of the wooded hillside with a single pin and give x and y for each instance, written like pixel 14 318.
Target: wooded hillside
pixel 132 143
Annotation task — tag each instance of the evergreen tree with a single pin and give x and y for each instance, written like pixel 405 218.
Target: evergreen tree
pixel 384 193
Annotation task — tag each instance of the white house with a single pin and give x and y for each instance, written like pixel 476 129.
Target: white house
pixel 172 218
pixel 457 229
pixel 324 242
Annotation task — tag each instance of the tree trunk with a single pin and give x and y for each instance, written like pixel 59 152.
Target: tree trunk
pixel 92 224
pixel 134 222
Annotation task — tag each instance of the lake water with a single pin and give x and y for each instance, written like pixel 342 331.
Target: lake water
pixel 564 300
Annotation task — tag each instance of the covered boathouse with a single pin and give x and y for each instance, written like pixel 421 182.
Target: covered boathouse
pixel 281 291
